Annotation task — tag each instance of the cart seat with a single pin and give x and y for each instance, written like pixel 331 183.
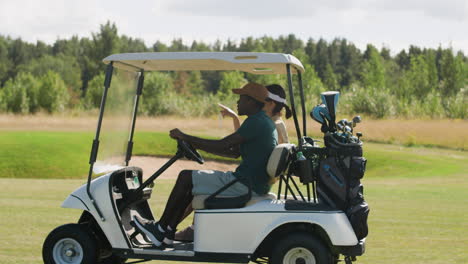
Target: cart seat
pixel 279 160
pixel 198 201
pixel 277 164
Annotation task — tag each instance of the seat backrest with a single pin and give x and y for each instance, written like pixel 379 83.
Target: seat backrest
pixel 279 159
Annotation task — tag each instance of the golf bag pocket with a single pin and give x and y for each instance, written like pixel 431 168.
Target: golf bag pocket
pixel 357 216
pixel 357 167
pixel 332 181
pixel 355 192
pixel 305 171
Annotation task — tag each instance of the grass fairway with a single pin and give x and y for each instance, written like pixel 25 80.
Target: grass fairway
pixel 47 154
pixel 417 197
pixel 65 155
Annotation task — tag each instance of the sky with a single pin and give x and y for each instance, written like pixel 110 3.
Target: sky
pixel 394 24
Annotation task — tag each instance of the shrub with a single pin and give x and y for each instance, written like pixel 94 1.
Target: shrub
pixel 155 98
pixel 21 94
pixel 2 102
pixel 92 98
pixel 375 102
pixel 456 106
pixel 53 94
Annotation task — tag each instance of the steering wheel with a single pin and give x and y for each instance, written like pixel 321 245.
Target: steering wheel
pixel 189 151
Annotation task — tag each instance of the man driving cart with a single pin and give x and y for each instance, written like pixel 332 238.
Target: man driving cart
pixel 253 141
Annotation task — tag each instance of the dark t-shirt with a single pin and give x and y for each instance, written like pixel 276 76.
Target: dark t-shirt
pixel 261 137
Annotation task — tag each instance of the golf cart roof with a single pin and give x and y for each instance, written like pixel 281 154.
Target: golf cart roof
pixel 252 62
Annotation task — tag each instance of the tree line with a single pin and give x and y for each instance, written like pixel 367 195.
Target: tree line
pixel 68 74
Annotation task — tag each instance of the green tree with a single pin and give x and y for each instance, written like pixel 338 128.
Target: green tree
pixel 3 103
pixel 320 60
pixel 251 45
pixel 348 67
pixel 5 62
pixel 21 94
pixel 53 94
pixel 178 45
pixel 229 81
pixel 92 98
pixel 433 75
pixel 16 97
pixel 154 99
pixel 160 47
pixel 66 66
pixel 373 73
pixel 107 41
pixel 19 52
pixel 330 79
pixel 199 46
pixel 195 83
pixel 418 78
pixel 452 73
pixel 311 82
pixel 289 43
pixel 128 44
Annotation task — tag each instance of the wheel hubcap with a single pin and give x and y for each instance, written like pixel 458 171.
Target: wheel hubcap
pixel 67 251
pixel 70 253
pixel 299 256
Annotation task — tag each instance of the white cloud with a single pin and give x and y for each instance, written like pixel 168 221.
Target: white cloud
pixel 279 9
pixel 395 23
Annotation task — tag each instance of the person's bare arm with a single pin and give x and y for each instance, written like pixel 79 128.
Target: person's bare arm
pixel 226 111
pixel 226 147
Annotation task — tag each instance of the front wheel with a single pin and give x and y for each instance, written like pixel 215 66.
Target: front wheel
pixel 301 249
pixel 70 244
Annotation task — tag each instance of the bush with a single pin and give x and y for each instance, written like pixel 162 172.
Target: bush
pixel 92 98
pixel 230 80
pixel 2 102
pixel 21 94
pixel 53 94
pixel 155 97
pixel 375 102
pixel 456 106
pixel 16 99
pixel 431 106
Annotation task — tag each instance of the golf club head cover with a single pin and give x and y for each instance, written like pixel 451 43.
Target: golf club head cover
pixel 319 113
pixel 330 99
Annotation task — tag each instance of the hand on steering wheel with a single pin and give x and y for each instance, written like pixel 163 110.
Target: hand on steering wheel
pixel 189 151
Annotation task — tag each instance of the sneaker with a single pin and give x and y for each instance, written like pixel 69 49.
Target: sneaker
pixel 150 229
pixel 169 237
pixel 185 235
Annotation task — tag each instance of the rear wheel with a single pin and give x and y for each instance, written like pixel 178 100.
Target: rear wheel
pixel 301 249
pixel 70 244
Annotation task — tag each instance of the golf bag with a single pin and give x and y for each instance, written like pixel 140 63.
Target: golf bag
pixel 339 184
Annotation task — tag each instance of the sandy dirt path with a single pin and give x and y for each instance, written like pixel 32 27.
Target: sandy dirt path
pixel 150 165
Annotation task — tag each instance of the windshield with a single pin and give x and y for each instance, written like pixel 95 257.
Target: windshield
pixel 116 121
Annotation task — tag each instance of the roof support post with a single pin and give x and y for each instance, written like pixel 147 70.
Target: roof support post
pixel 293 108
pixel 139 91
pixel 95 146
pixel 301 92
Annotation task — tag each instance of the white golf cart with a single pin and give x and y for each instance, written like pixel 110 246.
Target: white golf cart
pixel 290 227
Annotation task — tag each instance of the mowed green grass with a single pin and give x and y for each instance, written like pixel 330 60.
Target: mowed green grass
pixel 412 220
pixel 65 155
pixel 418 196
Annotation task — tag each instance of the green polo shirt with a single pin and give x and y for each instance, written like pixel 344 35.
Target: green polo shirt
pixel 261 137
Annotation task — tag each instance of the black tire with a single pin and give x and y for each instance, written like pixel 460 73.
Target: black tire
pixel 300 248
pixel 70 239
